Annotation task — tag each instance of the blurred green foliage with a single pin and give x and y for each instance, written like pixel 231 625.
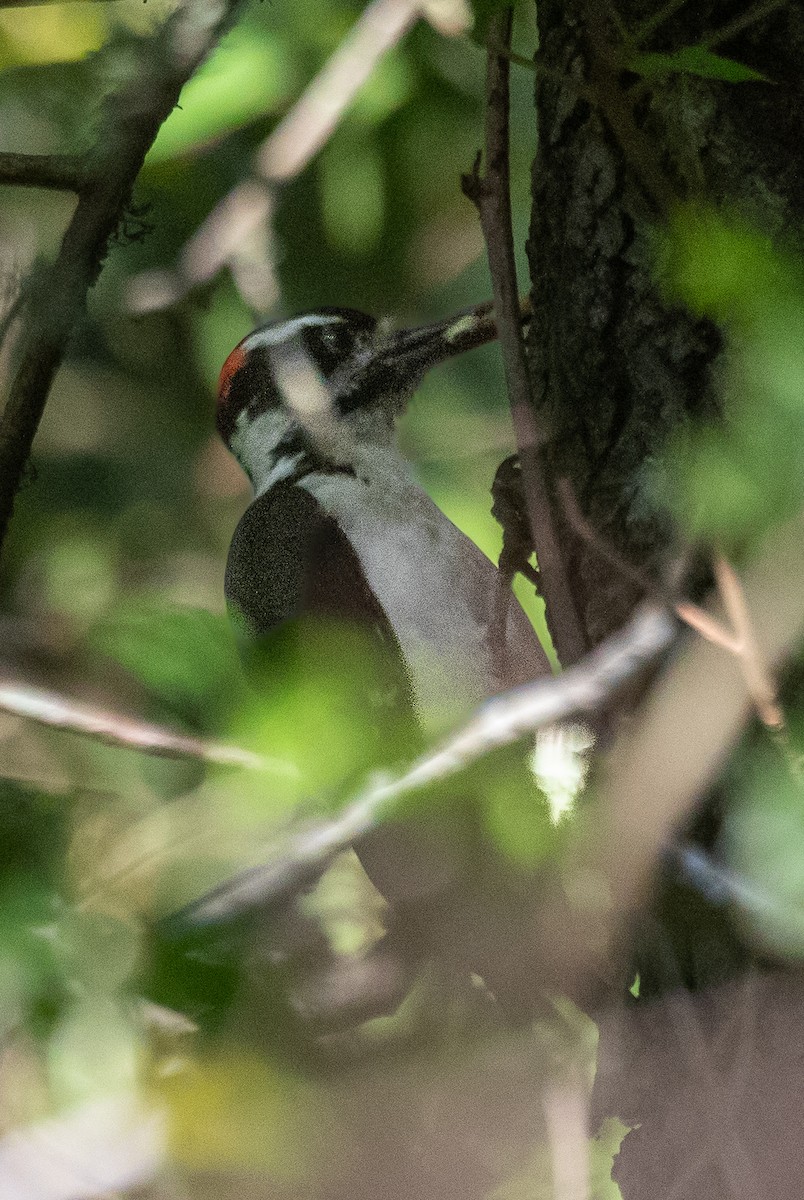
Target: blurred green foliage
pixel 764 842
pixel 738 477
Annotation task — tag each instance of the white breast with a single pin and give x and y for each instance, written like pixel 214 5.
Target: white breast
pixel 437 588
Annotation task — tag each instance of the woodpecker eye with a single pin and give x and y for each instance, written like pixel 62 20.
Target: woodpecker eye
pixel 333 344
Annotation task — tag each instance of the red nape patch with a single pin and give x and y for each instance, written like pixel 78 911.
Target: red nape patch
pixel 228 371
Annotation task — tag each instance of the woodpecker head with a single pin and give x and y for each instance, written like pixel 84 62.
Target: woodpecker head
pixel 319 385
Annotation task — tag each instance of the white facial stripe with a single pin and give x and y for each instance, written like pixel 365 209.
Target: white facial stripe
pixel 255 445
pixel 285 330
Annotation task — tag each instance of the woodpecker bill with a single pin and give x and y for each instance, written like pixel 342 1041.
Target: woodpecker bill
pixel 340 529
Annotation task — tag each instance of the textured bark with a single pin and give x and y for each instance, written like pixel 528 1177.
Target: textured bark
pixel 616 369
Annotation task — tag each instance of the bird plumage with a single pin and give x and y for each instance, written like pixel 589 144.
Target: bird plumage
pixel 340 530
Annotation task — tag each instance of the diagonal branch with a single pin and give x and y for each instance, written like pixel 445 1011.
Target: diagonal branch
pixel 586 688
pixel 491 194
pixel 159 67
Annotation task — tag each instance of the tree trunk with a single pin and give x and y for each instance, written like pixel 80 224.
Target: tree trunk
pixel 616 368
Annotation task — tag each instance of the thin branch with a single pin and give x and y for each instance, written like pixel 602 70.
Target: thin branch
pixel 159 67
pixel 583 689
pixel 315 115
pixel 491 194
pixel 752 17
pixel 739 639
pixel 707 626
pixel 579 524
pixel 565 937
pixel 60 172
pixel 651 23
pixel 71 716
pixel 538 66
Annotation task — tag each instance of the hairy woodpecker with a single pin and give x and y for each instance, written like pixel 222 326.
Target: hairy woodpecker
pixel 339 528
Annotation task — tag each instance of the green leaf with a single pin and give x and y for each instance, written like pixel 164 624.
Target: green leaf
pixel 741 477
pixel 352 196
pixel 246 78
pixel 694 60
pixel 764 843
pixel 185 656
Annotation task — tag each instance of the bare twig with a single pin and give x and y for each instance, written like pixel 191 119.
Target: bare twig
pixel 315 115
pixel 566 938
pixel 539 67
pixel 586 688
pixel 738 640
pixel 160 66
pixel 707 626
pixel 60 712
pixel 491 194
pixel 579 524
pixel 565 1102
pixel 62 172
pixel 745 20
pixel 643 31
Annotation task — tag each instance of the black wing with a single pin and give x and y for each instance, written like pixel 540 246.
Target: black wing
pixel 291 570
pixel 289 558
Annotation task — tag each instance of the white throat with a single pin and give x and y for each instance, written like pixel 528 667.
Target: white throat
pixel 272 446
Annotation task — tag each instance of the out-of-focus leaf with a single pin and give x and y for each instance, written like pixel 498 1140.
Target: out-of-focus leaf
pixel 244 79
pixel 736 480
pixel 79 574
pixel 694 60
pixel 186 656
pixel 97 951
pixel 764 843
pixel 234 1111
pixel 388 88
pixel 721 267
pixel 51 33
pixel 114 1142
pixel 28 969
pixel 95 1050
pixel 311 679
pixel 515 812
pixel 604 1148
pixel 353 196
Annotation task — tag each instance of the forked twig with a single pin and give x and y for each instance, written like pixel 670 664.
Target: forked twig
pixel 739 640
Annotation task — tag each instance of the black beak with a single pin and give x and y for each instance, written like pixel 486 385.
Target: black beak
pixel 411 352
pixel 398 362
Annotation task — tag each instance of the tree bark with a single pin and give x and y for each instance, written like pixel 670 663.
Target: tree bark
pixel 616 369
